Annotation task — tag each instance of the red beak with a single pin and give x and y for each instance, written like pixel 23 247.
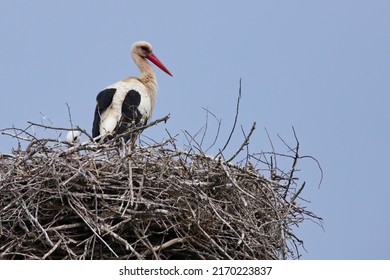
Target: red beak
pixel 158 63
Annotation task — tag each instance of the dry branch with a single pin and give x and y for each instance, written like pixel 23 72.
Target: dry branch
pixel 101 201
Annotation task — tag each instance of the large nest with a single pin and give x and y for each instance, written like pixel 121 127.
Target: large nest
pixel 100 201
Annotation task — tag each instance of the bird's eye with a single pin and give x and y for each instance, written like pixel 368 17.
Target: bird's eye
pixel 144 48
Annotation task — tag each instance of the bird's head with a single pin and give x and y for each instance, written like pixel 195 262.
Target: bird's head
pixel 145 50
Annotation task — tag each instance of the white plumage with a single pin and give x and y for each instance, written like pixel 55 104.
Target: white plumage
pixel 73 136
pixel 112 115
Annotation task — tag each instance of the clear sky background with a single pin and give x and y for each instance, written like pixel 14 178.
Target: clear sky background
pixel 320 66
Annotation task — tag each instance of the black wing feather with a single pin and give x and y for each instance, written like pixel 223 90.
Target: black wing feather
pixel 131 116
pixel 103 99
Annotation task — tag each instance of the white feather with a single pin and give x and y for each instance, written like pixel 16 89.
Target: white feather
pixel 73 136
pixel 112 115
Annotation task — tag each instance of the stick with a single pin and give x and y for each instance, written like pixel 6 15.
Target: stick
pixel 52 249
pixel 245 143
pixel 234 123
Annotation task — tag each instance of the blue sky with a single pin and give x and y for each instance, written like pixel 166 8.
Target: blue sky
pixel 320 66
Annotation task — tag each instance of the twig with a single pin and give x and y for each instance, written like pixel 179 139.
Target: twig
pixel 69 115
pixel 163 246
pixel 36 222
pixel 123 241
pixel 92 229
pixel 130 179
pixel 52 249
pixel 245 143
pixel 215 243
pixel 297 193
pixel 141 128
pixel 274 164
pixel 295 160
pixel 218 129
pixel 234 123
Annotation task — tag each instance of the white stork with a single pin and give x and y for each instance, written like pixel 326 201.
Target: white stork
pixel 129 102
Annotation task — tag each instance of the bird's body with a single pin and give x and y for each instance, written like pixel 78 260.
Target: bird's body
pixel 129 102
pixel 121 105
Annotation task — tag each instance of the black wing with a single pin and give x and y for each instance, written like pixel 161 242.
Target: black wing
pixel 103 99
pixel 131 116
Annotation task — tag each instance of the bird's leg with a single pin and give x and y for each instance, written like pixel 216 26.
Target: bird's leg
pixel 132 142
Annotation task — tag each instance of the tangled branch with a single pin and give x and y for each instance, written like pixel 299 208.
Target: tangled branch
pixel 158 201
pixel 97 201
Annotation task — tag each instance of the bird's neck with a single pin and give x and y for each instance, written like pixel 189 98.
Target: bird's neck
pixel 147 76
